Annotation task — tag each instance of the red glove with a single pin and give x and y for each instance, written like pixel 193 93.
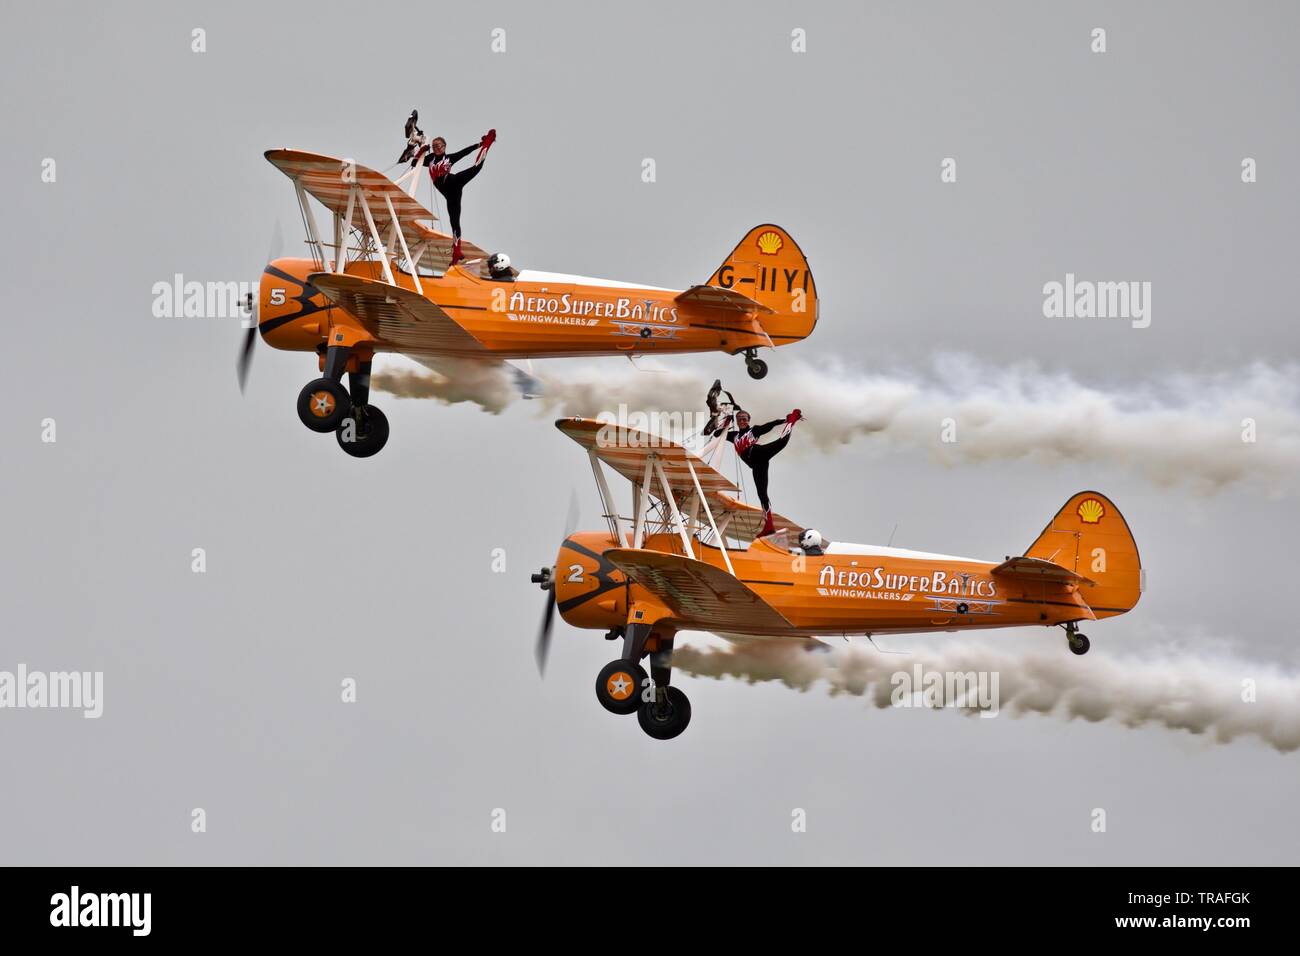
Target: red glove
pixel 488 139
pixel 794 416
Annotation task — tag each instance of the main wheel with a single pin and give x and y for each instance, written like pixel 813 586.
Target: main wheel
pixel 1079 644
pixel 368 432
pixel 323 404
pixel 665 721
pixel 757 368
pixel 619 685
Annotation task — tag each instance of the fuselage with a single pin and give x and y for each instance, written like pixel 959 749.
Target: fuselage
pixel 536 315
pixel 868 591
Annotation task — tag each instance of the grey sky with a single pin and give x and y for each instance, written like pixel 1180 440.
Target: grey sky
pixel 222 689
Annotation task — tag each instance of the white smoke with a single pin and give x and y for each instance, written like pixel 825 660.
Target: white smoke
pixel 1176 690
pixel 488 385
pixel 1176 429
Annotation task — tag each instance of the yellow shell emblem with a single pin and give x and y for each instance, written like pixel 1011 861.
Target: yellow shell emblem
pixel 770 243
pixel 1090 511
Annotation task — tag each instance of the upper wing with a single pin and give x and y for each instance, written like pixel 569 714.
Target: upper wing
pixel 627 451
pixel 702 595
pixel 331 182
pixel 398 317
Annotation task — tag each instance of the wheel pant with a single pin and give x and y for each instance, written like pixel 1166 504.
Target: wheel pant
pixel 450 186
pixel 759 456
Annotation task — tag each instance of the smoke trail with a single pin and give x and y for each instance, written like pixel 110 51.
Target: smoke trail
pixel 1178 429
pixel 1177 691
pixel 455 380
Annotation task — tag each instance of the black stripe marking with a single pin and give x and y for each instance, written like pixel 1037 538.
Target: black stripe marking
pixel 725 328
pixel 1117 610
pixel 604 566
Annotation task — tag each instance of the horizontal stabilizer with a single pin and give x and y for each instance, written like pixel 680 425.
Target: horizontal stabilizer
pixel 1039 569
pixel 725 299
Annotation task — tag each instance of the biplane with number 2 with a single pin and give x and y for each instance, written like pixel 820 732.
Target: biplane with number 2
pixel 688 557
pixel 386 284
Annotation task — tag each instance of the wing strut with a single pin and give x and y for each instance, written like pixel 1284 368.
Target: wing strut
pixel 606 499
pixel 708 513
pixel 374 235
pixel 341 259
pixel 401 240
pixel 672 506
pixel 309 223
pixel 642 503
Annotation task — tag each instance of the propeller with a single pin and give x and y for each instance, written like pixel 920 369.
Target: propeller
pixel 245 359
pixel 545 578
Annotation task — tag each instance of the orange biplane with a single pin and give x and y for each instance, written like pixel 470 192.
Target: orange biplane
pixel 386 284
pixel 688 559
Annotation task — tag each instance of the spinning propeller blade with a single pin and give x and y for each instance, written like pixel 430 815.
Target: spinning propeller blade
pixel 245 359
pixel 246 351
pixel 546 579
pixel 543 649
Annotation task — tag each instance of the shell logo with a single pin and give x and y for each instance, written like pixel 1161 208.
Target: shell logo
pixel 770 243
pixel 1090 511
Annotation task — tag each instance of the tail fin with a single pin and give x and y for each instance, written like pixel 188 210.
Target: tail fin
pixel 769 267
pixel 1091 538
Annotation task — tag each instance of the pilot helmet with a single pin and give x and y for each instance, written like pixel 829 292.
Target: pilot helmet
pixel 810 539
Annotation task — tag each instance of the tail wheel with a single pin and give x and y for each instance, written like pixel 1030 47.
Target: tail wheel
pixel 1079 643
pixel 364 432
pixel 619 685
pixel 323 404
pixel 664 720
pixel 757 368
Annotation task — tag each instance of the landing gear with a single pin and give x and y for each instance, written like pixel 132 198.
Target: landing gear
pixel 364 432
pixel 667 715
pixel 323 404
pixel 756 367
pixel 1078 642
pixel 623 687
pixel 619 685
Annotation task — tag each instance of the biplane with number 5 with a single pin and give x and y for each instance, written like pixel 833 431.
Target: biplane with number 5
pixel 688 558
pixel 386 284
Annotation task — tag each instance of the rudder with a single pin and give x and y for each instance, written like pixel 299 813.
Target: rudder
pixel 1090 537
pixel 769 267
